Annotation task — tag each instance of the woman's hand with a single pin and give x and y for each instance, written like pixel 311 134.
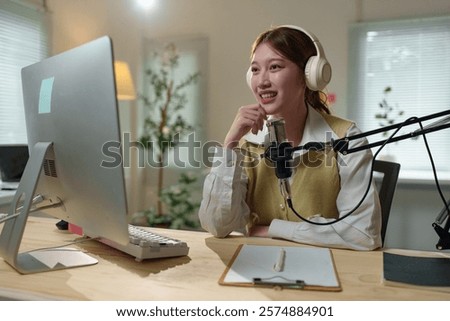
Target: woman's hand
pixel 259 230
pixel 249 117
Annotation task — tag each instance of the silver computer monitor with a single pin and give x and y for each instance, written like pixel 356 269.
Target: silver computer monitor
pixel 72 119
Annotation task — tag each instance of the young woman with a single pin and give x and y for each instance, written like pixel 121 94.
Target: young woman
pixel 241 192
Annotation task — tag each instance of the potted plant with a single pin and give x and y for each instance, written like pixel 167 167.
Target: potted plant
pixel 163 126
pixel 388 113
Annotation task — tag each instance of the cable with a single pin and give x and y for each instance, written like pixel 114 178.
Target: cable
pixel 430 156
pixel 4 217
pixel 37 199
pixel 289 201
pixel 58 247
pixel 433 167
pixel 443 232
pixel 441 218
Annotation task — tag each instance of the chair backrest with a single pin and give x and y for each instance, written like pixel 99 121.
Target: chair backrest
pixel 386 189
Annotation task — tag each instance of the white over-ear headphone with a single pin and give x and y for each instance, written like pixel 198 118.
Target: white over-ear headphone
pixel 317 69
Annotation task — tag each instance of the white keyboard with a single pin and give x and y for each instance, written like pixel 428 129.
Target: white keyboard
pixel 144 244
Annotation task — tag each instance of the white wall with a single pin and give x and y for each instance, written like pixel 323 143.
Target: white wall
pixel 231 26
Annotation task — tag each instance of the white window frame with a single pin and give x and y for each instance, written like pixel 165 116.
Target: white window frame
pixel 24 40
pixel 412 57
pixel 193 53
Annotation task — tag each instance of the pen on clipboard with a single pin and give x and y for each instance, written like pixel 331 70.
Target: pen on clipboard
pixel 279 264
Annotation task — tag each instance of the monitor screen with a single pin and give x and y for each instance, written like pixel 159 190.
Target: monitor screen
pixel 13 159
pixel 71 107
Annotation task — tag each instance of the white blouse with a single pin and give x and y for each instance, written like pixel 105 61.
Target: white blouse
pixel 224 210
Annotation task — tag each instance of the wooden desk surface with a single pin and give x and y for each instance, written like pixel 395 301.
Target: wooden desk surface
pixel 118 276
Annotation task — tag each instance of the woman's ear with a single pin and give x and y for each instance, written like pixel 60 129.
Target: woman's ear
pixel 248 77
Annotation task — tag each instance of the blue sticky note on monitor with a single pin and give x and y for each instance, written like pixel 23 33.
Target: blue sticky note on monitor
pixel 45 96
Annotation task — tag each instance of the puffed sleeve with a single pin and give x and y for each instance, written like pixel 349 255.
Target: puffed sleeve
pixel 223 208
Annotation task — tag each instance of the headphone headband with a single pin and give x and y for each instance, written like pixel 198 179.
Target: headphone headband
pixel 312 36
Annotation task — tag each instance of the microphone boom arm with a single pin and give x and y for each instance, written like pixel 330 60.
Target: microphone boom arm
pixel 337 144
pixel 342 146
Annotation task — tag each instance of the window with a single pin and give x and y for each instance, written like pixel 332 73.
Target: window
pixel 192 59
pixel 23 41
pixel 412 58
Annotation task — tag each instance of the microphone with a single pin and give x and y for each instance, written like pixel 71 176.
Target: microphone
pixel 280 152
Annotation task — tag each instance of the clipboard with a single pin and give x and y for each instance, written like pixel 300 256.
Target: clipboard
pixel 302 268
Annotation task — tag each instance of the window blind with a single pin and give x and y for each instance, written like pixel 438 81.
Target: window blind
pixel 23 41
pixel 406 63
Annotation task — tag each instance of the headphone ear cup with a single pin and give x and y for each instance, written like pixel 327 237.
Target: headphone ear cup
pixel 317 73
pixel 248 77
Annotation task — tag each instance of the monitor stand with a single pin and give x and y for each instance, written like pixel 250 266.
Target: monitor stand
pixel 39 260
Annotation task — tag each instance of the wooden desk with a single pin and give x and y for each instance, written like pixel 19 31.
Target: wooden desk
pixel 195 277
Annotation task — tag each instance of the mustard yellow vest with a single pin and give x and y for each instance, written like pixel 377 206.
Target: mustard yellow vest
pixel 315 182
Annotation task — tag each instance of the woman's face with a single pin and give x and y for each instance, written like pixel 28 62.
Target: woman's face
pixel 276 82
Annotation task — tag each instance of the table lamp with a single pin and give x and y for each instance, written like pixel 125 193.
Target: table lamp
pixel 124 82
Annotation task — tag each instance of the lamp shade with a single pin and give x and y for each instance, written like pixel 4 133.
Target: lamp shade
pixel 124 82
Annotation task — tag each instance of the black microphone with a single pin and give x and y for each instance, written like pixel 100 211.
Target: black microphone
pixel 280 152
